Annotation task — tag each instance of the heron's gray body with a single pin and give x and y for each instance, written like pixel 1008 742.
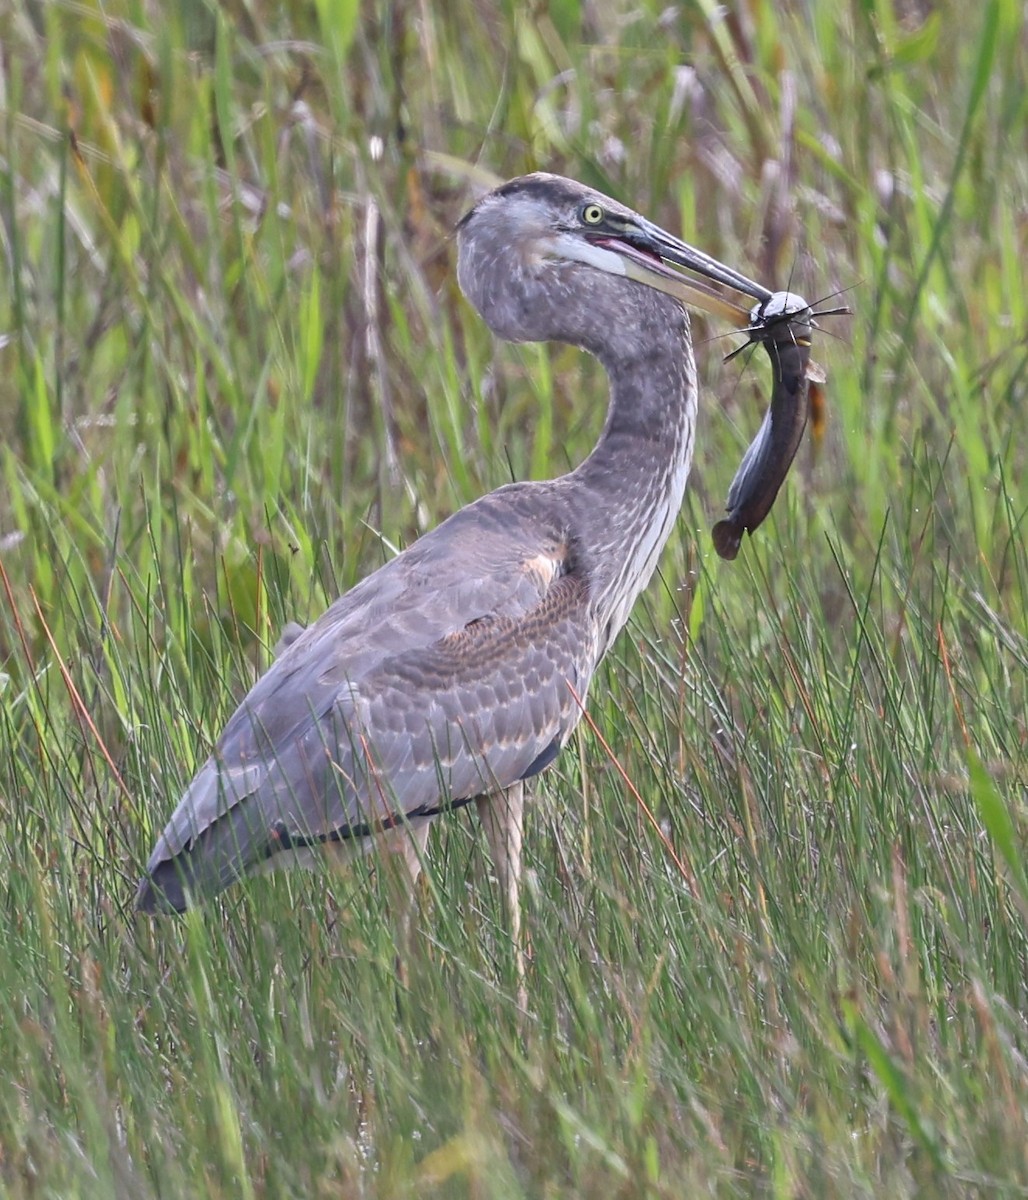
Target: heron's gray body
pixel 458 669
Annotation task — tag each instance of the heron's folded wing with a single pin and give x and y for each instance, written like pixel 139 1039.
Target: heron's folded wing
pixel 429 688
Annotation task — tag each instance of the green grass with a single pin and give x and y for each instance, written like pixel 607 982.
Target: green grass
pixel 235 372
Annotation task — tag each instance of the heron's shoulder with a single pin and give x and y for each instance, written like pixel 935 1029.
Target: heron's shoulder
pixel 515 512
pixel 497 556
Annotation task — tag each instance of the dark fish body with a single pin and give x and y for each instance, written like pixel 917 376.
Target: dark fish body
pixel 783 325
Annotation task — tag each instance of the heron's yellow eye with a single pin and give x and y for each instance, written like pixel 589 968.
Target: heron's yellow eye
pixel 592 214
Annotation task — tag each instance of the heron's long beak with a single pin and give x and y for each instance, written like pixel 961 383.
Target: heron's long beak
pixel 647 253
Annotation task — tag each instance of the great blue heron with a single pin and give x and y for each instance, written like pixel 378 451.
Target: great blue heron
pixel 456 671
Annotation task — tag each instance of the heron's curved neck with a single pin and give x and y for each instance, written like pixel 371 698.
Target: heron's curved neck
pixel 631 487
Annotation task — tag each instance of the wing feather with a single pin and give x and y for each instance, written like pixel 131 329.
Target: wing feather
pixel 439 678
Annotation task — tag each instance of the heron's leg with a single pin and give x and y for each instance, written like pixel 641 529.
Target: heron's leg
pixel 403 851
pixel 406 847
pixel 502 816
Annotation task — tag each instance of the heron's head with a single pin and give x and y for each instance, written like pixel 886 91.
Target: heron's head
pixel 544 258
